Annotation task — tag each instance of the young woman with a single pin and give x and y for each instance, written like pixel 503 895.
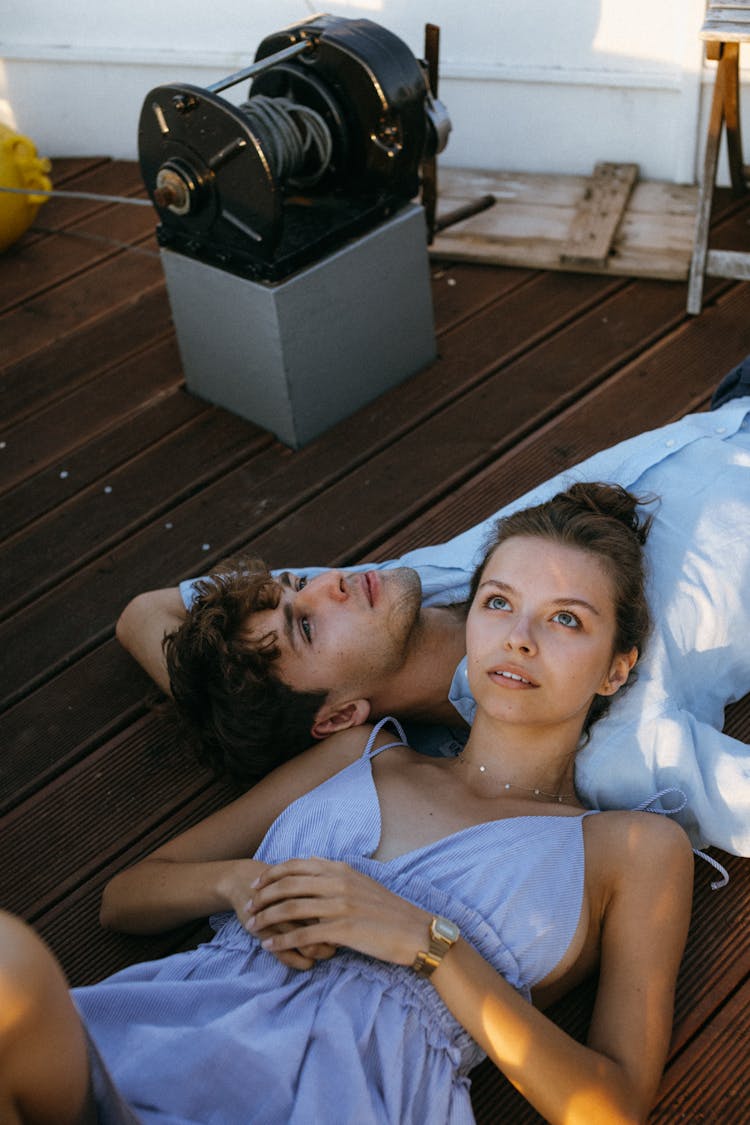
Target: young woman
pixel 426 898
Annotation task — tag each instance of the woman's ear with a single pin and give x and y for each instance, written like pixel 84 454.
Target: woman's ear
pixel 620 668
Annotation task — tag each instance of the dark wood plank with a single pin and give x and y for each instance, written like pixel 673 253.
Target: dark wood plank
pixel 710 1082
pixel 79 355
pixel 103 455
pixel 689 362
pixel 147 755
pixel 58 725
pixel 124 499
pixel 37 323
pixel 87 241
pixel 459 295
pixel 53 434
pixel 110 177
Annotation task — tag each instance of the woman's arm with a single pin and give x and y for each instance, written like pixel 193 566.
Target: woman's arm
pixel 643 917
pixel 615 1076
pixel 207 868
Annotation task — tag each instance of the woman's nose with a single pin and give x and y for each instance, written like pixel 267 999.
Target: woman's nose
pixel 521 638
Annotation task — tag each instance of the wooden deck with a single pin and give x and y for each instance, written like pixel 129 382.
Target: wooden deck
pixel 114 480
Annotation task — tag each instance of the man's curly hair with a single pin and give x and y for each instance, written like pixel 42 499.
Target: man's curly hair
pixel 239 716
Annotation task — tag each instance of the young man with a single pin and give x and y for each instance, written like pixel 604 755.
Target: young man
pixel 338 648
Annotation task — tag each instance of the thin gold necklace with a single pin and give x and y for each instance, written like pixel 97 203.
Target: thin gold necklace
pixel 561 798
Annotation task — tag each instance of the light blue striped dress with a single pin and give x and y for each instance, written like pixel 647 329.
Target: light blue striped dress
pixel 226 1035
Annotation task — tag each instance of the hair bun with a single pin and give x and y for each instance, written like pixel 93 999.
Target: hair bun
pixel 613 502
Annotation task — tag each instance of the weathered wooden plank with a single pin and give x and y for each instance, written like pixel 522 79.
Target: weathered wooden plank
pixel 728 263
pixel 537 192
pixel 599 214
pixel 727 23
pixel 530 223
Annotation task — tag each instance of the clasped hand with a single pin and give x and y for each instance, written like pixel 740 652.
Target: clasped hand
pixel 304 909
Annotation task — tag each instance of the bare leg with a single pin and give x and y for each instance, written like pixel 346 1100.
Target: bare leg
pixel 44 1070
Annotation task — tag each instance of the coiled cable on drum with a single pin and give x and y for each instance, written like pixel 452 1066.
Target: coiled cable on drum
pixel 295 133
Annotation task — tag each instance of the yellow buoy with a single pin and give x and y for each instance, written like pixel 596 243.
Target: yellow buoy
pixel 20 167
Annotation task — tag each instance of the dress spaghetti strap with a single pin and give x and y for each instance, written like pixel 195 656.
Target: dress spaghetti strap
pixel 368 751
pixel 646 806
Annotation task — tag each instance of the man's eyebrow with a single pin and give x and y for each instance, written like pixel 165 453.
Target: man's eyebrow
pixel 289 625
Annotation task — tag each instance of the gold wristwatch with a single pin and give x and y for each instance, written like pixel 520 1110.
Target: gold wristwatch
pixel 443 934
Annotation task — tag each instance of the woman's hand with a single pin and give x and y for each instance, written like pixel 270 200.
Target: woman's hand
pixel 237 889
pixel 325 901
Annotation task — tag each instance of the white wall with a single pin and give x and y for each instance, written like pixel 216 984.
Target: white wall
pixel 531 86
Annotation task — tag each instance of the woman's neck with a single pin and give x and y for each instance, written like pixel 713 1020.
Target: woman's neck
pixel 539 761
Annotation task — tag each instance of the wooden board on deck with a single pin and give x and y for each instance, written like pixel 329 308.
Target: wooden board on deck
pixel 533 216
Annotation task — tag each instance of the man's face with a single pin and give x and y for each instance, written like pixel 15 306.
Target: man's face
pixel 341 633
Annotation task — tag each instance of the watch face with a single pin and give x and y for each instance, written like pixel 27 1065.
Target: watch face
pixel 446 930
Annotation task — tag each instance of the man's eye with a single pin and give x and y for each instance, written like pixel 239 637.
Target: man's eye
pixel 497 602
pixel 304 625
pixel 564 617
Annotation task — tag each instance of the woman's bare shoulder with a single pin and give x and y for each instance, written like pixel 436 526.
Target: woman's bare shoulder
pixel 633 848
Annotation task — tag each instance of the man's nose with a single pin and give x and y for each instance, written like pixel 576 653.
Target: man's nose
pixel 330 586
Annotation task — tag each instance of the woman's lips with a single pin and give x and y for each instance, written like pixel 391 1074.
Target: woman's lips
pixel 512 678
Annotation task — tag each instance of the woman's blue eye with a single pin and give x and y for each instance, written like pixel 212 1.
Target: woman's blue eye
pixel 497 602
pixel 301 582
pixel 564 617
pixel 304 625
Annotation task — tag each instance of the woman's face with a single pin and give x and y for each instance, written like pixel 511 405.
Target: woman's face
pixel 540 634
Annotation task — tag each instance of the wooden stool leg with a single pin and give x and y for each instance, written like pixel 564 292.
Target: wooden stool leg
pixel 705 193
pixel 731 62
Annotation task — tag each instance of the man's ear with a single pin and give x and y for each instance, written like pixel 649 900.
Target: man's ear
pixel 622 666
pixel 340 716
